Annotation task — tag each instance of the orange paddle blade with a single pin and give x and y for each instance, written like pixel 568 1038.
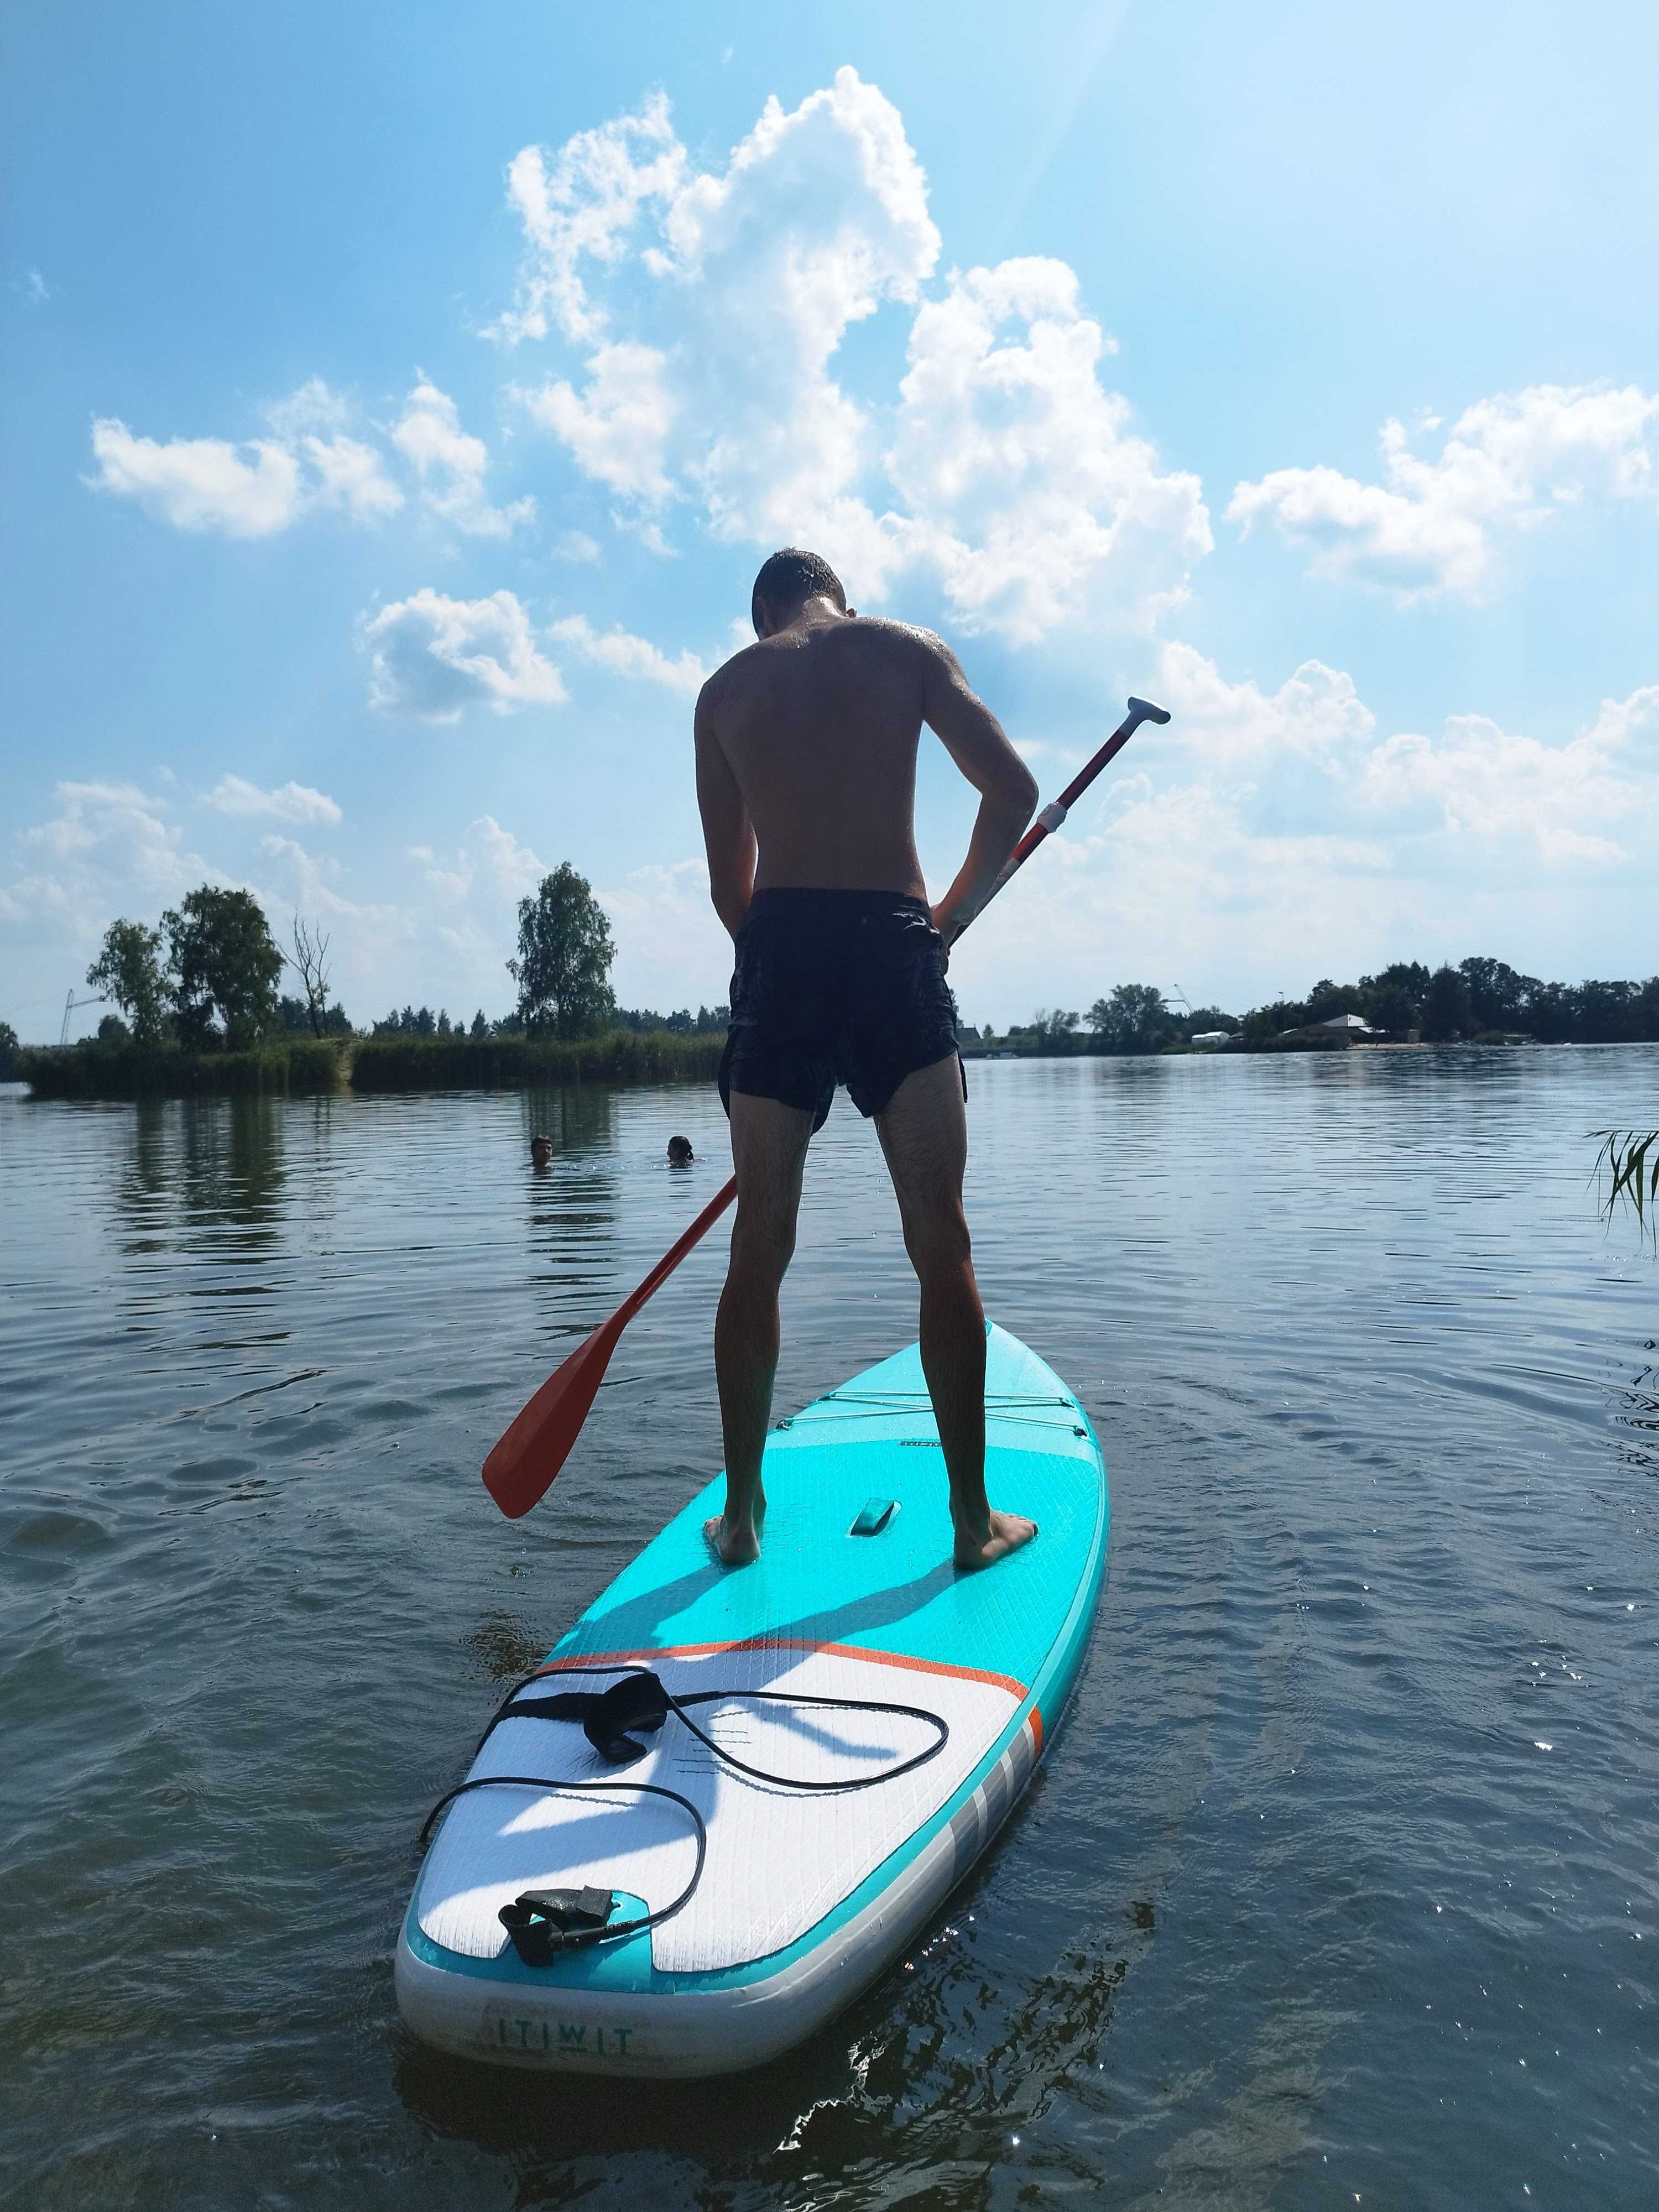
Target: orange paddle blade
pixel 530 1453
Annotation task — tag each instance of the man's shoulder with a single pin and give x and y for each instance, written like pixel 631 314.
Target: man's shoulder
pixel 879 633
pixel 729 677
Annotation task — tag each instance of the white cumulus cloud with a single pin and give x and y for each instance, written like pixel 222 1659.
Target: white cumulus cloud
pixel 110 849
pixel 256 489
pixel 451 464
pixel 488 856
pixel 510 866
pixel 1024 482
pixel 627 655
pixel 1504 796
pixel 705 312
pixel 1432 528
pixel 1317 713
pixel 350 475
pixel 200 483
pixel 1483 784
pixel 288 802
pixel 433 657
pixel 314 882
pixel 583 207
pixel 616 430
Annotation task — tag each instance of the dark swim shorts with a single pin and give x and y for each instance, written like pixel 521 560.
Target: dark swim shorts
pixel 836 987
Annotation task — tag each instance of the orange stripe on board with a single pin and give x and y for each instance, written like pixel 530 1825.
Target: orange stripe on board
pixel 1036 1730
pixel 602 1659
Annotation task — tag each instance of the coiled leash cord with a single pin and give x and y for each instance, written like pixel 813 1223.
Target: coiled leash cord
pixel 544 1921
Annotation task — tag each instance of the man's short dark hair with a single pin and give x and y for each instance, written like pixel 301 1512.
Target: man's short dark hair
pixel 791 576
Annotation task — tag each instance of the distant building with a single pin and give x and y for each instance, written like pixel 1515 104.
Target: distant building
pixel 1210 1036
pixel 1343 1029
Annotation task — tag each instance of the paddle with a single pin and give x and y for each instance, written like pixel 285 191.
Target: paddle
pixel 520 1471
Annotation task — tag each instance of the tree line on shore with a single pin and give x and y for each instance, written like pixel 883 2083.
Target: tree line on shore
pixel 638 1021
pixel 1480 997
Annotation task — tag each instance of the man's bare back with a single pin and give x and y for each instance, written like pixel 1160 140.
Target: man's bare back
pixel 819 726
pixel 806 762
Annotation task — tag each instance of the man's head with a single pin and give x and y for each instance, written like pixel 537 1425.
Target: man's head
pixel 679 1151
pixel 541 1151
pixel 784 584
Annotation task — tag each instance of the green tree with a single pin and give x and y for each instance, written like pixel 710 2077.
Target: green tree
pixel 8 1050
pixel 1134 1019
pixel 1552 1012
pixel 1411 976
pixel 223 960
pixel 562 967
pixel 1608 1012
pixel 1446 1011
pixel 1262 1023
pixel 1498 996
pixel 128 969
pixel 1389 1006
pixel 1053 1031
pixel 1328 1000
pixel 294 1014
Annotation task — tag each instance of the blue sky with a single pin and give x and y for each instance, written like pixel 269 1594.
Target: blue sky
pixel 397 402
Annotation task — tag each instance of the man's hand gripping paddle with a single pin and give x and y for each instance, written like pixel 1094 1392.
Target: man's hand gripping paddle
pixel 521 1469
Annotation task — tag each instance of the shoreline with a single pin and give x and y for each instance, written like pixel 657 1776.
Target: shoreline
pixel 309 1066
pixel 317 1066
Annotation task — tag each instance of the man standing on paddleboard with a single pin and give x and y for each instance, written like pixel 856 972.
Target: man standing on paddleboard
pixel 806 761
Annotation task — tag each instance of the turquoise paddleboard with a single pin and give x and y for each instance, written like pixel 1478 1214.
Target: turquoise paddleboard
pixel 859 1719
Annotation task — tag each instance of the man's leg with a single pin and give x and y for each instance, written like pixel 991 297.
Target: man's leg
pixel 769 1149
pixel 924 1133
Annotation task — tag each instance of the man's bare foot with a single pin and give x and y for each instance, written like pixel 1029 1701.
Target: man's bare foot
pixel 1004 1533
pixel 736 1543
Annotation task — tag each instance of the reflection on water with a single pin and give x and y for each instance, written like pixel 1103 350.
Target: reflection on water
pixel 197 1167
pixel 1339 1881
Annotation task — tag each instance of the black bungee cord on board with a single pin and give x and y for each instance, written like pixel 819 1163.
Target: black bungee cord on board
pixel 544 1921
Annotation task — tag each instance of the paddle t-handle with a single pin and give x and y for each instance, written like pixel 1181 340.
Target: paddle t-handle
pixel 530 1452
pixel 1141 710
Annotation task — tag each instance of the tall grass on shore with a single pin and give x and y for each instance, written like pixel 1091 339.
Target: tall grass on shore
pixel 92 1069
pixel 423 1063
pixel 297 1064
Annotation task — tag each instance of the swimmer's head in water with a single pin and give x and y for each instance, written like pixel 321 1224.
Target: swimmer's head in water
pixel 541 1151
pixel 680 1154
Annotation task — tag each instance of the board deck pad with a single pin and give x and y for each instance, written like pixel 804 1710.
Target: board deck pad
pixel 773 1869
pixel 882 1617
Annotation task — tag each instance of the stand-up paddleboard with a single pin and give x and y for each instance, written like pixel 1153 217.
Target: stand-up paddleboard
pixel 839 1732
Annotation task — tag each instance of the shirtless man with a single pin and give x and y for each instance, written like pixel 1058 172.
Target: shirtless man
pixel 806 760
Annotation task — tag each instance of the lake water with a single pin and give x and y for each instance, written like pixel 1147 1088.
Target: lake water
pixel 1339 1884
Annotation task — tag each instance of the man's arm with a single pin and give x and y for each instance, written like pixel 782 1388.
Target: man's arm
pixel 973 736
pixel 728 835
